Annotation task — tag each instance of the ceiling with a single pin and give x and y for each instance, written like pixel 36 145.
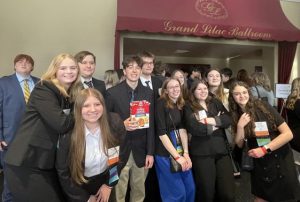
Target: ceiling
pixel 177 48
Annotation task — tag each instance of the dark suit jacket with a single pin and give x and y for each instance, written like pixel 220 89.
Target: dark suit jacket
pixel 140 141
pixel 44 120
pixel 100 86
pixel 206 141
pixel 12 106
pixel 73 191
pixel 156 85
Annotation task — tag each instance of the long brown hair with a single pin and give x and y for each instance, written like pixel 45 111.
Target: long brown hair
pixel 252 103
pixel 195 105
pixel 294 95
pixel 169 103
pixel 77 144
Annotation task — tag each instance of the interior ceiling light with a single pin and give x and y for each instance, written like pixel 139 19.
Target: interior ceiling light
pixel 230 58
pixel 181 51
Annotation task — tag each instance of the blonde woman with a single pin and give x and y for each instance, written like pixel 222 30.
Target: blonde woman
pixel 83 154
pixel 111 78
pixel 215 86
pixel 179 74
pixel 262 87
pixel 30 159
pixel 293 113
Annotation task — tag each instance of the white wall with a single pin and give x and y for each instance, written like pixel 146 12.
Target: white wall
pixel 44 29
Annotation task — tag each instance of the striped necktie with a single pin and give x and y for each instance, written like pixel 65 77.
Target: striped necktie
pixel 89 84
pixel 26 90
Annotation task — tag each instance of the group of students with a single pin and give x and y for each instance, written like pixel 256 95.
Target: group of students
pixel 71 133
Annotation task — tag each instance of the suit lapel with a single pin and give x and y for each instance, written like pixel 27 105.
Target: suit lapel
pixel 15 86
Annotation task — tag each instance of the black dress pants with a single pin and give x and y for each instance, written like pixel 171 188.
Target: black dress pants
pixel 214 178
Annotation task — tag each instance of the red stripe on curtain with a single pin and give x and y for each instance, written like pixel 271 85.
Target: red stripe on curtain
pixel 286 55
pixel 117 51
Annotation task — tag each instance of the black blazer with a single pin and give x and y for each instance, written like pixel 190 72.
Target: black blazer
pixel 141 141
pixel 45 118
pixel 100 86
pixel 73 191
pixel 156 85
pixel 205 141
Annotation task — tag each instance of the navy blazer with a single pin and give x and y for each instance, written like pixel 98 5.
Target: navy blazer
pixel 12 106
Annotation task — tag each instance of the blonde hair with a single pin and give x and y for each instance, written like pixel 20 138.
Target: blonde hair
pixel 262 79
pixel 295 94
pixel 77 144
pixel 184 86
pixel 220 94
pixel 111 78
pixel 169 103
pixel 50 74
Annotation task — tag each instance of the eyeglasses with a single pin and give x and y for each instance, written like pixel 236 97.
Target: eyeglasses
pixel 148 63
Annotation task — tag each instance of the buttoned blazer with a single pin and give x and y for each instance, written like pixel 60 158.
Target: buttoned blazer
pixel 12 106
pixel 140 141
pixel 45 118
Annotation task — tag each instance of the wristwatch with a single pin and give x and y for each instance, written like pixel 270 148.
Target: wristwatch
pixel 269 151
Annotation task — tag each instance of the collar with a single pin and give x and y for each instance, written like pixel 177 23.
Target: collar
pixel 22 78
pixel 88 132
pixel 83 79
pixel 143 80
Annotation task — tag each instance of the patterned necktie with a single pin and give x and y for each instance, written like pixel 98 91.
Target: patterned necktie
pixel 132 96
pixel 89 84
pixel 147 83
pixel 26 90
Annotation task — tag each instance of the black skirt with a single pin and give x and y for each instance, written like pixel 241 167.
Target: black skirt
pixel 274 177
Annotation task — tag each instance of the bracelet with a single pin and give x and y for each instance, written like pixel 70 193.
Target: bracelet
pixel 186 152
pixel 177 157
pixel 205 121
pixel 264 150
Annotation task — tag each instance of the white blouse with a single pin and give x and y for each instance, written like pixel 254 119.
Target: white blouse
pixel 95 158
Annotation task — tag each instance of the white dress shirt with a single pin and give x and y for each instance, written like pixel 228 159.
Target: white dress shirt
pixel 83 80
pixel 143 80
pixel 95 158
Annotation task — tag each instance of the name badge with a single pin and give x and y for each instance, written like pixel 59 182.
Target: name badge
pixel 202 114
pixel 113 155
pixel 261 129
pixel 66 111
pixel 262 133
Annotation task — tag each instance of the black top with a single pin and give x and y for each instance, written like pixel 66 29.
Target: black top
pixel 276 171
pixel 294 124
pixel 73 191
pixel 140 141
pixel 46 117
pixel 205 141
pixel 164 124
